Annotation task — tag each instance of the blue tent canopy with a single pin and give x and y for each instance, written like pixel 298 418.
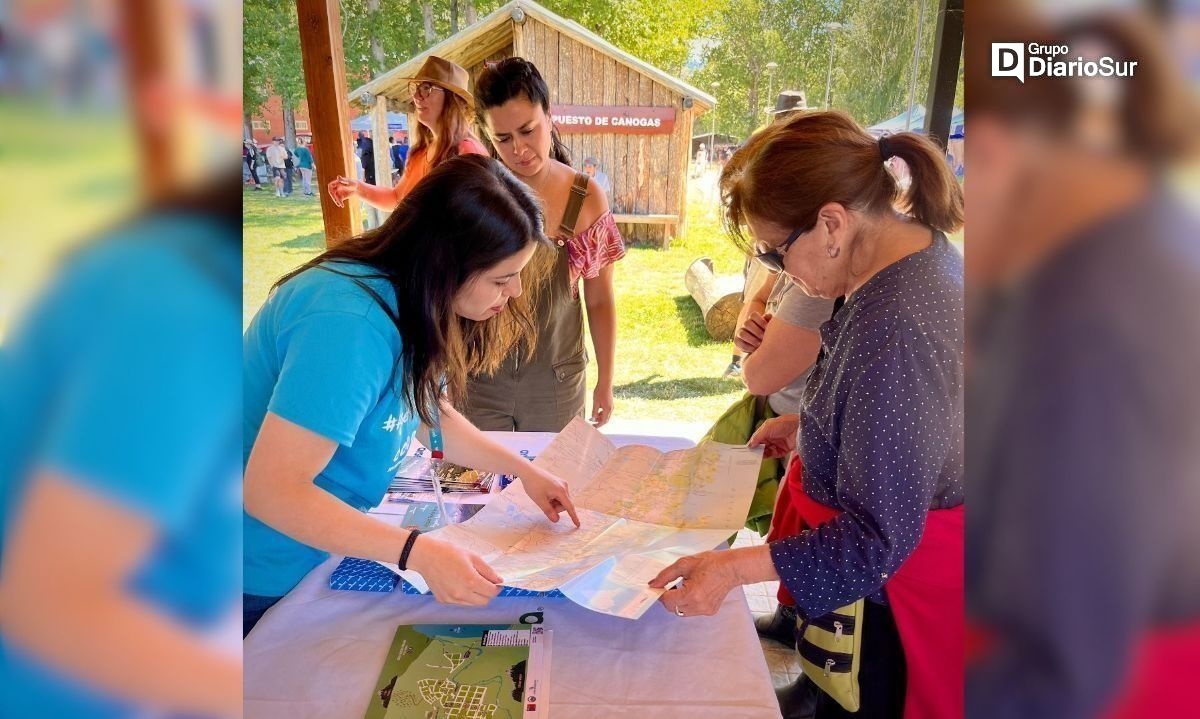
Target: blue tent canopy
pixel 396 121
pixel 896 124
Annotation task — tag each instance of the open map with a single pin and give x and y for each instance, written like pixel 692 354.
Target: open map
pixel 640 510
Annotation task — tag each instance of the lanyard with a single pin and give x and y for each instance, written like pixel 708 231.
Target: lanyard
pixel 435 463
pixel 436 446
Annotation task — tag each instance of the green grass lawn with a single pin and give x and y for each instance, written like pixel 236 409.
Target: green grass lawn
pixel 667 366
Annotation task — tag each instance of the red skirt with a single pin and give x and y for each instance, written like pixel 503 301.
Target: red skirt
pixel 925 595
pixel 1160 681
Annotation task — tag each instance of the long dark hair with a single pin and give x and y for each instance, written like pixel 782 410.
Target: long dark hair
pixel 468 214
pixel 788 170
pixel 516 77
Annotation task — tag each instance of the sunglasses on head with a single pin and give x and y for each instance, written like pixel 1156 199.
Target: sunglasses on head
pixel 772 257
pixel 422 88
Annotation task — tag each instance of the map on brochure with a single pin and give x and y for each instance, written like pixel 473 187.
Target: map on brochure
pixel 640 510
pixel 464 671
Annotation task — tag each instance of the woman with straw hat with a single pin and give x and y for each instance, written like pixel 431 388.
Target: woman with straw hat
pixel 444 109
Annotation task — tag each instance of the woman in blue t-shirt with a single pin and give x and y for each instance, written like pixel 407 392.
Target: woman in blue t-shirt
pixel 354 353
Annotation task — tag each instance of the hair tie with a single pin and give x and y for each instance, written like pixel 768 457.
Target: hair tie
pixel 885 149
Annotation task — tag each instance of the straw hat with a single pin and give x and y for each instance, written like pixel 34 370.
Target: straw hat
pixel 446 75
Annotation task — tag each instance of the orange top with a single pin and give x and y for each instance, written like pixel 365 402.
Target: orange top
pixel 418 167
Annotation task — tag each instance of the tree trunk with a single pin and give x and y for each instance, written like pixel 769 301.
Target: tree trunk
pixel 427 17
pixel 289 124
pixel 453 16
pixel 753 114
pixel 379 64
pixel 247 127
pixel 719 298
pixel 469 12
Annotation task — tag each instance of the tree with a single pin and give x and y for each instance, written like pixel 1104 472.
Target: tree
pixel 642 28
pixel 872 56
pixel 729 42
pixel 271 53
pixel 747 35
pixel 374 20
pixel 871 80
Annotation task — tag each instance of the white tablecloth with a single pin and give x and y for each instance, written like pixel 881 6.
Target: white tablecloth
pixel 318 652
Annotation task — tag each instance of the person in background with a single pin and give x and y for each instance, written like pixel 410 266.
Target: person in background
pixel 397 158
pixel 788 104
pixel 277 158
pixel 755 279
pixel 366 154
pixel 591 166
pixel 444 115
pixel 250 157
pixel 402 150
pixel 289 164
pixel 780 340
pixel 877 480
pixel 431 294
pixel 304 162
pixel 548 391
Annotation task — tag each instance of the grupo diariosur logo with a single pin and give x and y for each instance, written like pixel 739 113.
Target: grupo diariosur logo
pixel 1021 60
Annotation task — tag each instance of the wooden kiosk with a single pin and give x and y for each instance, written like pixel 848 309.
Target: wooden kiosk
pixel 634 118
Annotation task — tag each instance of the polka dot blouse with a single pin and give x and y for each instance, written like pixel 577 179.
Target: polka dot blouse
pixel 881 430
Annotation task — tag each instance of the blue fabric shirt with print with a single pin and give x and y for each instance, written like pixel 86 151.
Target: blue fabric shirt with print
pixel 122 381
pixel 321 354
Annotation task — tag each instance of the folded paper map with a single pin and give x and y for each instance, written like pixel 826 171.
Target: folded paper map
pixel 640 509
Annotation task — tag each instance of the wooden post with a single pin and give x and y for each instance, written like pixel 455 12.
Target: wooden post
pixel 682 166
pixel 325 83
pixel 518 21
pixel 154 37
pixel 380 133
pixel 383 157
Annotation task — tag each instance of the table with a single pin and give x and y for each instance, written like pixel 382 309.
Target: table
pixel 318 652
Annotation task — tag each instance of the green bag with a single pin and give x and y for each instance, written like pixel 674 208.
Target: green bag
pixel 830 649
pixel 736 426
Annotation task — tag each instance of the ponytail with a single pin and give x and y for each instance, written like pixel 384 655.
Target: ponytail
pixel 558 150
pixel 934 197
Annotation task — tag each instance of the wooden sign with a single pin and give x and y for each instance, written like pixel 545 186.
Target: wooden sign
pixel 620 120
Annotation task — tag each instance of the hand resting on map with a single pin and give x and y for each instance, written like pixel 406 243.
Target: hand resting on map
pixel 455 575
pixel 709 576
pixel 777 436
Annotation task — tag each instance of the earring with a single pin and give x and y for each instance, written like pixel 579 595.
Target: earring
pixel 833 252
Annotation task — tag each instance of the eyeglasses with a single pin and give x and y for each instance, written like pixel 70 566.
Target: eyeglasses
pixel 772 257
pixel 421 89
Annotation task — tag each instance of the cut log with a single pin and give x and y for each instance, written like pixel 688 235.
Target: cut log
pixel 720 298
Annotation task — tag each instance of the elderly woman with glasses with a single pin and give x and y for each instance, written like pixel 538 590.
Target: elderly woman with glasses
pixel 876 482
pixel 444 115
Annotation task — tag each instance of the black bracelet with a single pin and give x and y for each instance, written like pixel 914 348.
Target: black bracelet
pixel 408 545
